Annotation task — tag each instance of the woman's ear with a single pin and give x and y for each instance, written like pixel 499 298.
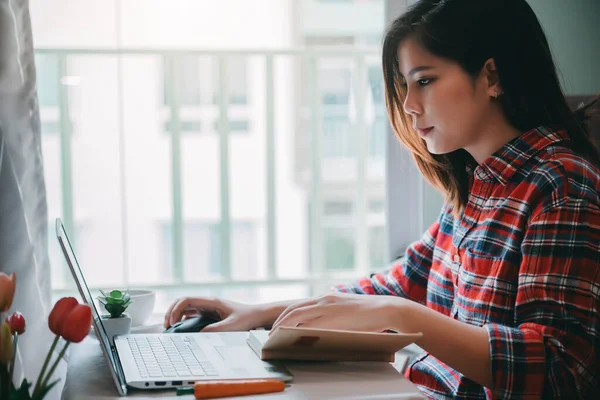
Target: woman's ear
pixel 491 76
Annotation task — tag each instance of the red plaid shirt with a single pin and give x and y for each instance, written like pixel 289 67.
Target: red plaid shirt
pixel 523 262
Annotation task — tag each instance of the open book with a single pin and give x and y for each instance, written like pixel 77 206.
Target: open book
pixel 328 345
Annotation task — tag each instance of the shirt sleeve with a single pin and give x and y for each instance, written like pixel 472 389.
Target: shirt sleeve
pixel 407 277
pixel 551 351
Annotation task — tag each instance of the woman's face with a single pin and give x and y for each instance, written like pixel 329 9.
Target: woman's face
pixel 448 109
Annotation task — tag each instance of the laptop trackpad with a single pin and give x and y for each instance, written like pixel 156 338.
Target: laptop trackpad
pixel 237 357
pixel 230 339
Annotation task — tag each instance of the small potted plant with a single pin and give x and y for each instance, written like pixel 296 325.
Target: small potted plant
pixel 116 322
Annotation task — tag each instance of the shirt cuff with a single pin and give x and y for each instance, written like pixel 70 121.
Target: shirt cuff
pixel 517 360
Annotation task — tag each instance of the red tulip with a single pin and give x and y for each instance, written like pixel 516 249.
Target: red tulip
pixel 17 323
pixel 77 323
pixel 58 314
pixel 7 290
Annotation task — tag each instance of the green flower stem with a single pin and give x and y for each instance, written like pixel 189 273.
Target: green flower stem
pixel 43 370
pixel 60 356
pixel 12 365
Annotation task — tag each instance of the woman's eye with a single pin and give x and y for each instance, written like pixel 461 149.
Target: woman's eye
pixel 424 82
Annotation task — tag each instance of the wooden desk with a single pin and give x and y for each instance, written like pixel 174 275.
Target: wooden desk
pixel 89 378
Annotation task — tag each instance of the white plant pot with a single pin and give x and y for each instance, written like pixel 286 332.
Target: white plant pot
pixel 116 326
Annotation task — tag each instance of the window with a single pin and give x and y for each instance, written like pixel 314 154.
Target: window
pixel 377 255
pixel 123 175
pixel 244 250
pixel 335 96
pixel 238 125
pixel 235 126
pixel 195 126
pixel 337 139
pixel 50 127
pixel 377 136
pixel 47 79
pixel 376 84
pixel 186 126
pixel 321 41
pixel 237 83
pixel 202 249
pixel 341 208
pixel 339 235
pixel 199 88
pixel 198 81
pixel 189 81
pixel 339 248
pixel 188 73
pixel 376 206
pixel 48 93
pixel 335 86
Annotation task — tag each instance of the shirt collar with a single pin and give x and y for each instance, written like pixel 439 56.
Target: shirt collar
pixel 505 162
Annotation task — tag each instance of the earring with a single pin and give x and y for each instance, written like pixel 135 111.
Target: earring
pixel 495 94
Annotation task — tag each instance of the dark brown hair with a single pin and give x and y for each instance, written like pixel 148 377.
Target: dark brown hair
pixel 469 32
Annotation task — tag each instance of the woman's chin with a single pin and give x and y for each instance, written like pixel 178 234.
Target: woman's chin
pixel 438 148
pixel 433 149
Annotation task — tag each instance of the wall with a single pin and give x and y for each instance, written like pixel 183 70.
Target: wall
pixel 573 31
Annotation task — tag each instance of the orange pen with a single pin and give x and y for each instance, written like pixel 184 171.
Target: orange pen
pixel 214 389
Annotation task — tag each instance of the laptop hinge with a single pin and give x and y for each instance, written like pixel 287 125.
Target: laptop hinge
pixel 120 373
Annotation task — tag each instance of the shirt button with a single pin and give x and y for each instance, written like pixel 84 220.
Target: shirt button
pixel 456 258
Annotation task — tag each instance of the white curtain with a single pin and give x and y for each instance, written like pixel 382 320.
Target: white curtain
pixel 23 210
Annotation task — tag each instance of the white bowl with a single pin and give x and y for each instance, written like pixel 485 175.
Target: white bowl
pixel 141 307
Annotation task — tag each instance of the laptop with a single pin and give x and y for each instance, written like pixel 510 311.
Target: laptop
pixel 170 360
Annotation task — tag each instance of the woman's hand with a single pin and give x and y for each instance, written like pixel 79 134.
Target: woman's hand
pixel 233 316
pixel 344 311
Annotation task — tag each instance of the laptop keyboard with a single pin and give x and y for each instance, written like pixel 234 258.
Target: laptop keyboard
pixel 169 356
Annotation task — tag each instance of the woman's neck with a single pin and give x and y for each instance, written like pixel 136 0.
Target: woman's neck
pixel 493 136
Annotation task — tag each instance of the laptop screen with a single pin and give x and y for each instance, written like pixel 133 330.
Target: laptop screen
pixel 88 299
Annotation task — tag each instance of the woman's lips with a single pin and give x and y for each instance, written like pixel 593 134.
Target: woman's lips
pixel 424 131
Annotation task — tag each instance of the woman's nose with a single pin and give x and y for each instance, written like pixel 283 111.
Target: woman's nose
pixel 411 104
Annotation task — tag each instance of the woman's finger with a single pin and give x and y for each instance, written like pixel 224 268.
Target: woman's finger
pixel 292 307
pixel 167 321
pixel 318 323
pixel 299 316
pixel 191 303
pixel 191 313
pixel 179 308
pixel 229 324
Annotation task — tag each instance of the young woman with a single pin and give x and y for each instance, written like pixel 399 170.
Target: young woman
pixel 505 286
